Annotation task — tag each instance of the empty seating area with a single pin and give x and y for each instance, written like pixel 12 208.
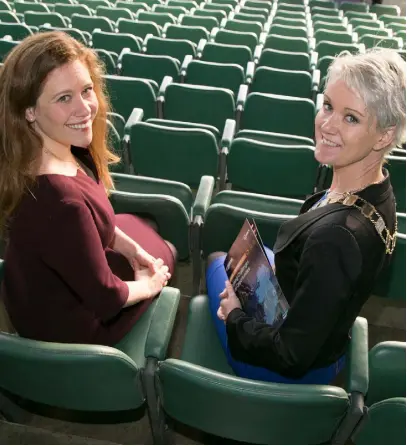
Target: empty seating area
pixel 213 109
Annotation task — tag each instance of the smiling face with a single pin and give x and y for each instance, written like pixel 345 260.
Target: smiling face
pixel 66 108
pixel 344 131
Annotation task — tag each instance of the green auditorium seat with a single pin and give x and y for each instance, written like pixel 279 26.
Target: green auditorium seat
pixel 134 7
pixel 227 2
pixel 290 22
pixel 32 18
pixel 176 11
pixel 5 6
pixel 291 15
pixel 17 31
pixel 82 36
pixel 352 6
pixel 109 59
pixel 22 7
pixel 335 36
pixel 69 10
pixel 138 29
pixel 378 32
pixel 192 20
pixel 289 31
pixel 223 53
pixel 127 93
pixel 116 41
pixel 397 168
pixel 235 38
pixel 41 374
pixel 360 15
pixel 370 41
pixel 198 72
pixel 196 103
pixel 330 26
pixel 366 22
pixel 323 65
pixel 182 32
pixel 282 43
pixel 227 9
pixel 174 48
pixel 242 26
pixel 158 18
pixel 260 167
pixel 325 11
pixel 287 60
pixel 187 4
pixel 218 15
pixel 250 17
pixel 255 11
pixel 6 45
pixel 275 138
pixel 259 4
pixel 326 48
pixel 114 14
pixel 190 152
pixel 380 9
pixel 148 67
pixel 8 17
pixel 402 36
pixel 274 113
pixel 287 6
pixel 328 18
pixel 386 421
pixel 322 4
pixel 94 4
pixel 395 26
pixel 86 23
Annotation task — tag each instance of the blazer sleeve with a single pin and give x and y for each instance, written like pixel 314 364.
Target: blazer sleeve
pixel 73 249
pixel 330 265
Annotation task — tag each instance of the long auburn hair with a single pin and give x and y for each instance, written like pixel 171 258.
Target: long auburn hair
pixel 21 82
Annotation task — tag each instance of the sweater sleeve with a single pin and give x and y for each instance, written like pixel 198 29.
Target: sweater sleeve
pixel 329 267
pixel 73 249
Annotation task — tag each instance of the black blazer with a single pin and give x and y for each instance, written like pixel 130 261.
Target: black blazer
pixel 326 263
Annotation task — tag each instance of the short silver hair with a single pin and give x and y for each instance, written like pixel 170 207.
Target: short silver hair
pixel 378 76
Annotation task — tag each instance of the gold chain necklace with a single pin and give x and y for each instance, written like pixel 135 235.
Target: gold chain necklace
pixel 60 159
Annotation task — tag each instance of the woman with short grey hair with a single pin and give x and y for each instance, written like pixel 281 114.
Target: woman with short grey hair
pixel 327 259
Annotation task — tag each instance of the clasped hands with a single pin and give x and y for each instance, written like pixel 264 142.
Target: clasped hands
pixel 229 301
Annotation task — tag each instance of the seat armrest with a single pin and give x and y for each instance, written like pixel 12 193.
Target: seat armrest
pixel 262 38
pixel 164 84
pixel 212 35
pixel 241 97
pixel 362 48
pixel 135 117
pixel 250 73
pixel 316 79
pixel 164 31
pixel 311 44
pixel 223 23
pixel 200 48
pixel 349 28
pixel 257 53
pixel 355 37
pixel 228 133
pixel 319 102
pixel 313 60
pixel 203 196
pixel 145 43
pixel 162 322
pixel 184 66
pixel 120 59
pixel 358 358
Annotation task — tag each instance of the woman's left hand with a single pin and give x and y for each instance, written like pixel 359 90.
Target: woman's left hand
pixel 229 301
pixel 140 257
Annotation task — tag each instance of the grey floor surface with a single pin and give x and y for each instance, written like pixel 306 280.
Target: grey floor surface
pixel 385 323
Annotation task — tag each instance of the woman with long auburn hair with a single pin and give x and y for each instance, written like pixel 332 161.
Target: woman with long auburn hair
pixel 71 266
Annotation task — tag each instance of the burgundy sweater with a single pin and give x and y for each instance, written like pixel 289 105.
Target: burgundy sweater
pixel 58 285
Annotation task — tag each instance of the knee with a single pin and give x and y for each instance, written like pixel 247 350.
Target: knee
pixel 213 256
pixel 173 250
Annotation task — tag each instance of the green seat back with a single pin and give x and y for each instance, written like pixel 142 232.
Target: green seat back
pixel 8 17
pixel 82 36
pixel 322 4
pixel 289 22
pixel 206 22
pixel 371 41
pixel 32 18
pixel 366 22
pixel 86 23
pixel 395 26
pixel 114 14
pixel 22 7
pixel 237 38
pixel 283 43
pixel 69 10
pixel 327 18
pixel 385 10
pixel 176 11
pixel 116 144
pixel 397 168
pixel 351 6
pixel 259 4
pixel 387 19
pixel 199 103
pixel 263 168
pixel 325 11
pixel 264 12
pixel 109 60
pixel 158 18
pixel 284 60
pixel 282 82
pixel 175 48
pixel 273 113
pixel 329 26
pixel 333 36
pixel 218 7
pixel 387 371
pixel 218 15
pixel 138 29
pixel 323 65
pixel 17 31
pixel 260 203
pixel 5 6
pixel 127 93
pixel 244 26
pixel 362 30
pixel 280 139
pixel 223 53
pixel 229 76
pixel 192 33
pixel 134 7
pixel 187 4
pixel 94 4
pixel 361 15
pixel 149 67
pixel 116 41
pixel 6 46
pixel 250 17
pixel 291 15
pixel 289 31
pixel 189 153
pixel 386 423
pixel 326 48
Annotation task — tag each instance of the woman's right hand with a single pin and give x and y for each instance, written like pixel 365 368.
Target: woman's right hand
pixel 154 280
